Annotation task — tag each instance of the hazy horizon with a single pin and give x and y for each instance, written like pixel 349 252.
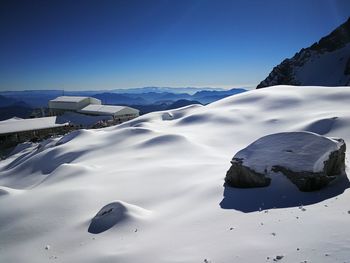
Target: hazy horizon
pixel 132 88
pixel 90 45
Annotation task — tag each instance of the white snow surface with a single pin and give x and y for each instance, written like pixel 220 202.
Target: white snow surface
pixel 296 151
pixel 151 189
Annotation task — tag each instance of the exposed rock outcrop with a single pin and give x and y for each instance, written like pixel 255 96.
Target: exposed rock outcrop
pixel 325 63
pixel 308 160
pixel 243 177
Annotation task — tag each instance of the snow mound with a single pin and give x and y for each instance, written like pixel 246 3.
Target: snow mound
pixel 114 213
pixel 3 192
pixel 34 163
pixel 194 119
pixel 179 178
pixel 8 191
pixel 163 140
pixel 322 126
pixel 71 136
pixel 21 147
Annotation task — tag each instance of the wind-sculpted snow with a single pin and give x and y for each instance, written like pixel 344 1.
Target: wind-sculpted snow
pixel 166 170
pixel 115 213
pixel 322 126
pixel 163 140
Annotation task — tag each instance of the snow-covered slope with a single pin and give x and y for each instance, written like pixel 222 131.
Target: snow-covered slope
pixel 326 63
pixel 151 189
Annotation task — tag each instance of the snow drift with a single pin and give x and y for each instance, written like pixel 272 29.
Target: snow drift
pixel 166 170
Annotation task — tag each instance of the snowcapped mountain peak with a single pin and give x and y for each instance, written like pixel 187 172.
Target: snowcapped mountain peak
pixel 325 63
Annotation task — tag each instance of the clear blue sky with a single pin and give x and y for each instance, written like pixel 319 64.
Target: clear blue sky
pixel 86 44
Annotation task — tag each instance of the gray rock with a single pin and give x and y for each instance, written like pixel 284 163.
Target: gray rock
pixel 308 181
pixel 294 154
pixel 243 177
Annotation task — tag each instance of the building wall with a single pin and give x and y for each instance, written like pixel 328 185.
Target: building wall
pixel 12 139
pixel 94 101
pixel 68 105
pixel 60 107
pixel 128 112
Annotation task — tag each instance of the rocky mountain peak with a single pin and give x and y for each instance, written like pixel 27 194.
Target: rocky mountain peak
pixel 324 63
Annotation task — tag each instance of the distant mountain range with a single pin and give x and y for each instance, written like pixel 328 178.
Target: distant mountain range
pixel 188 90
pixel 325 63
pixel 38 98
pixel 151 98
pixel 22 103
pixel 11 107
pixel 33 98
pixel 5 101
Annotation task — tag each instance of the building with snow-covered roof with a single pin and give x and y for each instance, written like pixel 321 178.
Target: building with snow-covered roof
pixel 88 106
pixel 15 130
pixel 62 104
pixel 119 113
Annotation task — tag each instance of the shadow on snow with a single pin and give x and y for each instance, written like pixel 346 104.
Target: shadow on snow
pixel 280 194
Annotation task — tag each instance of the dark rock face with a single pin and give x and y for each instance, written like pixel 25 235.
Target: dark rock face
pixel 242 176
pixel 308 181
pixel 335 40
pixel 280 75
pixel 305 181
pixel 285 73
pixel 336 161
pixel 347 68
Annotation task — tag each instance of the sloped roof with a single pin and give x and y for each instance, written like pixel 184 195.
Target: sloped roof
pixel 21 125
pixel 13 119
pixel 69 99
pixel 105 109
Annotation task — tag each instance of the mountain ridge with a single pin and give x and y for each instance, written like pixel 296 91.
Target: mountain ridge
pixel 324 63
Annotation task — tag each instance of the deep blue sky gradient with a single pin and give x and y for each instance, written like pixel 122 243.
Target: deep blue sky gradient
pixel 86 44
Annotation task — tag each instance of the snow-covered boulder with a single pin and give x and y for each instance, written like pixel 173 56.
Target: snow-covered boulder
pixel 309 160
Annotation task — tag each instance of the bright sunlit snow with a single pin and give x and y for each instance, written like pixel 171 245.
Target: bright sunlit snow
pixel 296 151
pixel 151 189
